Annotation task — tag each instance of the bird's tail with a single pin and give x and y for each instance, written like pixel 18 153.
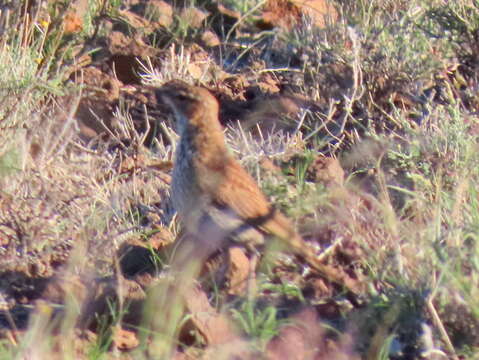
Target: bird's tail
pixel 284 230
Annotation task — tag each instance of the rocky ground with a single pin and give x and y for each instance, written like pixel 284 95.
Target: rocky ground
pixel 358 119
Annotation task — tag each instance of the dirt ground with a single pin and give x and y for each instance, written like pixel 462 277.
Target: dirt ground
pixel 91 273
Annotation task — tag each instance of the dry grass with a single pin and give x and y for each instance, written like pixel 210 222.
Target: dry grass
pixel 389 90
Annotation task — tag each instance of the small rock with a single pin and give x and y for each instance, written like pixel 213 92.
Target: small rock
pixel 117 41
pixel 287 13
pixel 228 12
pixel 210 39
pixel 298 340
pixel 193 16
pixel 195 71
pixel 135 20
pixel 161 238
pixel 215 328
pixel 161 13
pixel 268 85
pixel 238 271
pixel 321 12
pixel 268 112
pixel 268 165
pixel 72 23
pixel 124 339
pixel 327 170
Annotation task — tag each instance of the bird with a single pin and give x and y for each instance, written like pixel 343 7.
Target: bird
pixel 210 188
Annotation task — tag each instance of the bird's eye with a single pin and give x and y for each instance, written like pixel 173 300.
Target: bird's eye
pixel 182 97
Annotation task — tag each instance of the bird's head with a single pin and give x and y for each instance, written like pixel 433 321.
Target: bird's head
pixel 190 104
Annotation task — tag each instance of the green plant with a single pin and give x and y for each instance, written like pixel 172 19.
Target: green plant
pixel 260 324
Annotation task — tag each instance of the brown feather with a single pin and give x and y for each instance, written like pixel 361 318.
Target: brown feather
pixel 208 174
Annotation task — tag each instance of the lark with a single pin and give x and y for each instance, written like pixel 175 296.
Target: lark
pixel 213 193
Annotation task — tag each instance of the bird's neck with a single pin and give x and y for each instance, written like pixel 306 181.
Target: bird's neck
pixel 205 135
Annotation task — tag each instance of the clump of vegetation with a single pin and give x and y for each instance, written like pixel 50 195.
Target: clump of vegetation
pixel 359 119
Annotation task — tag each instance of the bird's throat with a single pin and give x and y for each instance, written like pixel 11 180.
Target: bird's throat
pixel 205 133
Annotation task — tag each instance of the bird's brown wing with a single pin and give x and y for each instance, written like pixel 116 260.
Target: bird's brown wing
pixel 236 190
